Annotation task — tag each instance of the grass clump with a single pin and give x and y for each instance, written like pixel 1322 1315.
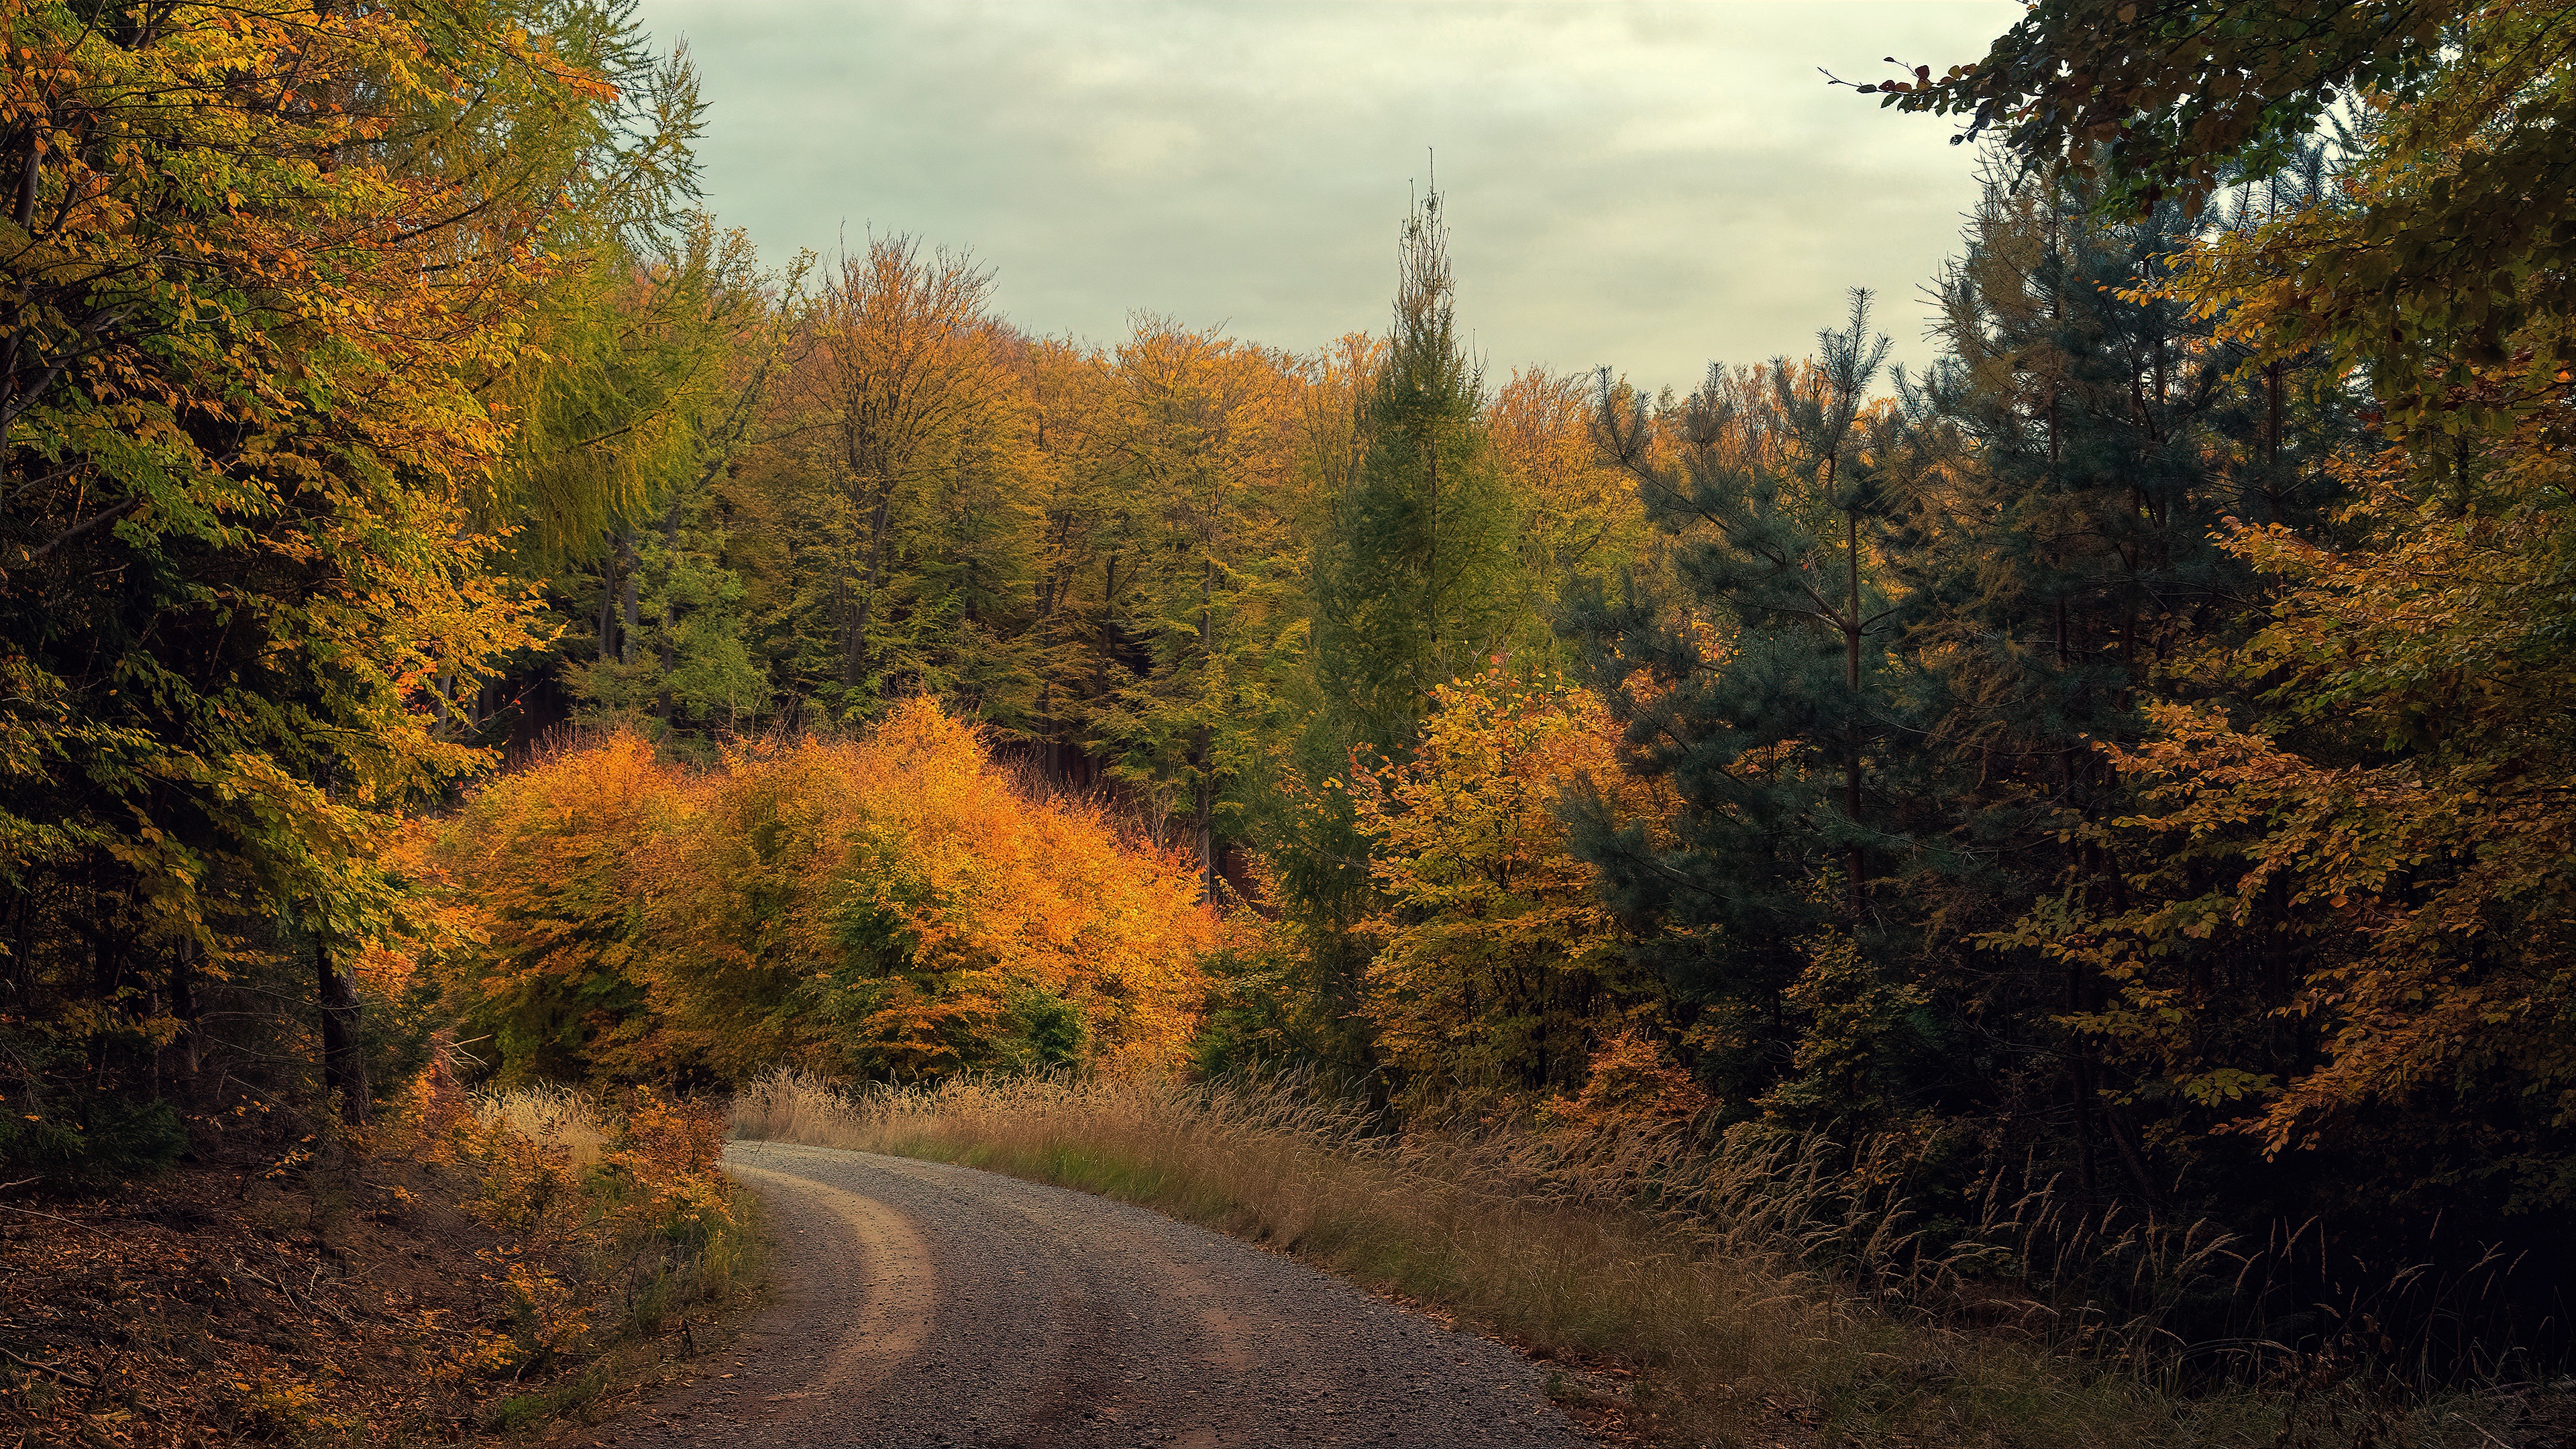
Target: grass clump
pixel 1756 1289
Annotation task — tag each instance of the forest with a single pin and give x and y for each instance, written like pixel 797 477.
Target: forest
pixel 465 610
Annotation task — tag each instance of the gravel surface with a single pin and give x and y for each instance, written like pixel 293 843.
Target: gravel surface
pixel 924 1304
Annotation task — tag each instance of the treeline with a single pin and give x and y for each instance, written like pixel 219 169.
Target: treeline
pixel 1147 567
pixel 2128 756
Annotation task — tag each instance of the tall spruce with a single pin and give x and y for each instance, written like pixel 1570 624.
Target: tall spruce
pixel 1415 576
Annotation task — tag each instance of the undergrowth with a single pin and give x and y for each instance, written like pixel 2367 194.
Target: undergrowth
pixel 463 1271
pixel 1750 1290
pixel 618 1233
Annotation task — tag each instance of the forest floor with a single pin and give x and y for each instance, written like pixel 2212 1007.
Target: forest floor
pixel 219 1305
pixel 350 1301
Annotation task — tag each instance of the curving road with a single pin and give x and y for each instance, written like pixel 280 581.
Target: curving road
pixel 924 1304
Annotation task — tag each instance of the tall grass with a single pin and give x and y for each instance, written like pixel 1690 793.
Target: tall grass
pixel 549 1119
pixel 1756 1291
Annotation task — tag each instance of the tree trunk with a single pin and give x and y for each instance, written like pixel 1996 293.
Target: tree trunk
pixel 670 565
pixel 183 1005
pixel 1202 750
pixel 1851 677
pixel 1205 818
pixel 854 658
pixel 608 609
pixel 628 605
pixel 344 1067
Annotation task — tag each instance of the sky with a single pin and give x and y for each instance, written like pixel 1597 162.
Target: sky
pixel 1647 186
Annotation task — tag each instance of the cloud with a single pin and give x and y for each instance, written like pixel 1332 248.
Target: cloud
pixel 1646 186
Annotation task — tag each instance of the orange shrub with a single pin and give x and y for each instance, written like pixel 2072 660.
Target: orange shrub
pixel 538 879
pixel 888 906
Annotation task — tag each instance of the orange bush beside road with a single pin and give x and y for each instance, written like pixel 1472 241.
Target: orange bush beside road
pixel 890 906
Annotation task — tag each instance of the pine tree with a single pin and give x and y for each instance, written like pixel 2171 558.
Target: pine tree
pixel 1753 673
pixel 2049 584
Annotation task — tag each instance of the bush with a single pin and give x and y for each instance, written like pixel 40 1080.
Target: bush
pixel 890 906
pixel 617 1217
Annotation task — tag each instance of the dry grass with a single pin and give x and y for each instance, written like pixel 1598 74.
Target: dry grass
pixel 1758 1293
pixel 548 1117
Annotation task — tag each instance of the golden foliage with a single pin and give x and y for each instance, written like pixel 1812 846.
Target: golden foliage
pixel 2391 844
pixel 891 905
pixel 1500 968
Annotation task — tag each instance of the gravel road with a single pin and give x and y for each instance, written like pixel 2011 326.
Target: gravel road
pixel 924 1304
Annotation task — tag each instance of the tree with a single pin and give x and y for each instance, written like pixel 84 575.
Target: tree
pixel 1415 577
pixel 886 905
pixel 1578 516
pixel 1773 487
pixel 1079 501
pixel 2451 232
pixel 1500 970
pixel 1200 438
pixel 897 382
pixel 2097 436
pixel 1751 672
pixel 2346 894
pixel 684 350
pixel 258 259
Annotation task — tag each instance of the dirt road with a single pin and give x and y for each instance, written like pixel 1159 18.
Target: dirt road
pixel 923 1304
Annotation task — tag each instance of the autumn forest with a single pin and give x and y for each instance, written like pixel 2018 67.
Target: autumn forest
pixel 470 618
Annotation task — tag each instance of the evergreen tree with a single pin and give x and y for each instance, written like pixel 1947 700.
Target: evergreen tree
pixel 1753 674
pixel 2049 586
pixel 1416 576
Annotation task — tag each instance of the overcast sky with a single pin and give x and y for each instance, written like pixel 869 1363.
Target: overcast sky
pixel 1644 185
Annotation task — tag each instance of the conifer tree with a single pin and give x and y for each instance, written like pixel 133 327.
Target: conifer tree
pixel 1753 675
pixel 1416 575
pixel 2052 580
